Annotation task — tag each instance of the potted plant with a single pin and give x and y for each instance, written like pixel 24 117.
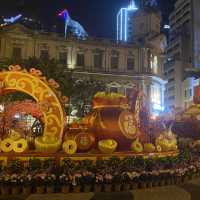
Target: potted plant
pixel 4 183
pixel 50 180
pixel 77 181
pixel 143 180
pixel 117 181
pixel 15 168
pixel 134 179
pixel 65 181
pixel 15 184
pixel 26 181
pixel 99 179
pixel 88 180
pixel 126 180
pixel 39 182
pixel 107 181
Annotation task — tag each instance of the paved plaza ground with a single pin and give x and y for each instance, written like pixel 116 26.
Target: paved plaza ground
pixel 187 191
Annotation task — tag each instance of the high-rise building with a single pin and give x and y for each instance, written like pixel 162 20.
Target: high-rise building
pixel 183 52
pixel 124 20
pixel 134 22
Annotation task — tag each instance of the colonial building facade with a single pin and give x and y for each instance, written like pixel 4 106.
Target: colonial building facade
pixel 120 65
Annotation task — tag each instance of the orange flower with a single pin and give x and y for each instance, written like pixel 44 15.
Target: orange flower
pixel 53 83
pixel 35 72
pixel 64 99
pixel 14 68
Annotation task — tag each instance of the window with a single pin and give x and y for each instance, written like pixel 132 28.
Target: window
pixel 154 64
pixel 156 95
pixel 63 58
pixel 141 26
pixel 98 59
pixel 17 53
pixel 128 91
pixel 185 93
pixel 171 98
pixel 190 92
pixel 44 54
pixel 80 60
pixel 114 89
pixel 171 71
pixel 130 63
pixel 171 89
pixel 114 60
pixel 170 80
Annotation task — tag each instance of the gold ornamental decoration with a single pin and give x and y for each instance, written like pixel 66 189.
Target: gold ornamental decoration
pixel 128 125
pixel 33 84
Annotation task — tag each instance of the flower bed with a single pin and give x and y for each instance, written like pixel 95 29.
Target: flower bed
pixel 114 174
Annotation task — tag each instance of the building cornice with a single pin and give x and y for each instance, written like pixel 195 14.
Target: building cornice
pixel 139 76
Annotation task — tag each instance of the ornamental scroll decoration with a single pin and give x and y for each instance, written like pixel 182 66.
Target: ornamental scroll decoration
pixel 43 91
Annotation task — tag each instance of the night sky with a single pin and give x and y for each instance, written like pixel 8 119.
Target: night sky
pixel 97 16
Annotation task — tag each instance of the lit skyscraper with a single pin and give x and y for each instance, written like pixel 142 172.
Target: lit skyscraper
pixel 123 25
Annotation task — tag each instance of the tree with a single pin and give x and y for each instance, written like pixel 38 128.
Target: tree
pixel 84 90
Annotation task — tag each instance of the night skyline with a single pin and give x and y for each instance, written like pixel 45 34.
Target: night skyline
pixel 98 18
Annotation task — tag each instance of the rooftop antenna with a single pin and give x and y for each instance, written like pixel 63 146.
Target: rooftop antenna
pixel 132 5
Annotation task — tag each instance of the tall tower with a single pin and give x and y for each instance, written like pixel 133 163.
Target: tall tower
pixel 124 17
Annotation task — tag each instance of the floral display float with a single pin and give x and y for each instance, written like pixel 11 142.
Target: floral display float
pixel 111 120
pixel 46 94
pixel 187 122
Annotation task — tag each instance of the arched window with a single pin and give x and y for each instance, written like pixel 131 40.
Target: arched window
pixel 114 87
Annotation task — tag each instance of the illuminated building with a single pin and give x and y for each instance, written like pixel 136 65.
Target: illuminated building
pixel 121 66
pixel 182 52
pixel 133 23
pixel 124 18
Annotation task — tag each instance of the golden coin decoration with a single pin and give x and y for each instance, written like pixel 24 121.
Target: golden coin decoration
pixel 70 147
pixel 20 146
pixel 7 145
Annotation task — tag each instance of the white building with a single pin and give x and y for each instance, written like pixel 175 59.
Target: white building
pixel 124 22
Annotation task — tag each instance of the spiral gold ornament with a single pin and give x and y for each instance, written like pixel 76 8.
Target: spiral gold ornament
pixel 38 88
